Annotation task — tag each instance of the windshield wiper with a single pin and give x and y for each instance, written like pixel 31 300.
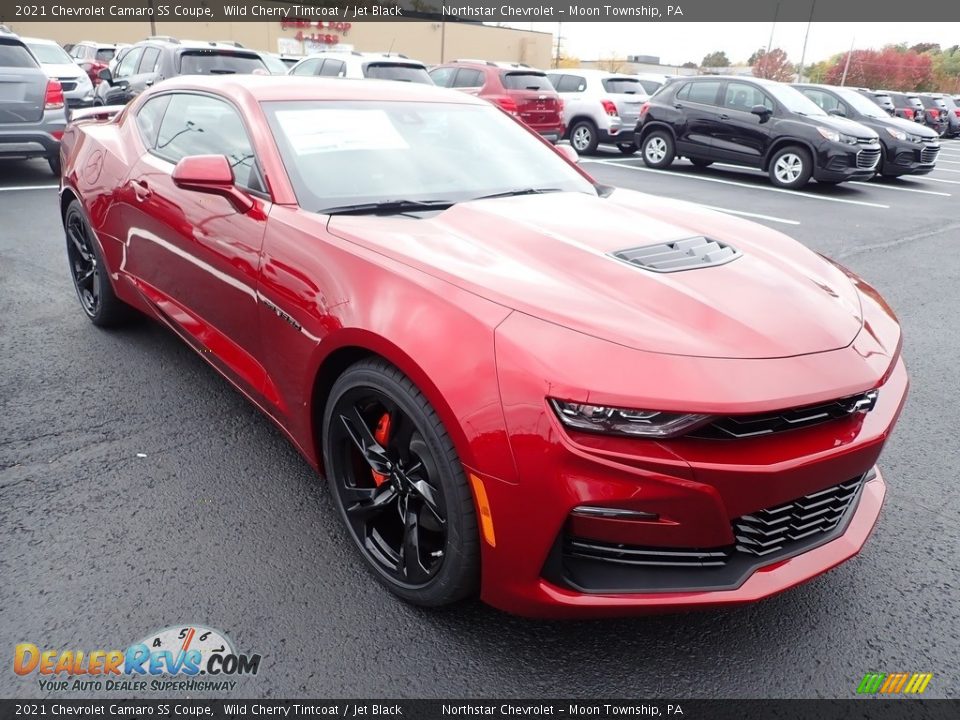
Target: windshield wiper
pixel 521 191
pixel 387 207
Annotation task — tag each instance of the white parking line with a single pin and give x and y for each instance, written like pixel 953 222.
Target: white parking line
pixel 771 218
pixel 29 187
pixel 763 188
pixel 927 178
pixel 952 162
pixel 940 169
pixel 881 186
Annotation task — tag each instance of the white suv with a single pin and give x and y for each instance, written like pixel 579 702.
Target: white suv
pixel 599 107
pixel 380 66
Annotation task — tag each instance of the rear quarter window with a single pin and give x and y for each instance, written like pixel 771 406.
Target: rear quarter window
pixel 106 54
pixel 15 55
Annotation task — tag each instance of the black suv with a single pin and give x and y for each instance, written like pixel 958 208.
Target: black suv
pixel 880 98
pixel 948 124
pixel 157 58
pixel 755 123
pixel 909 148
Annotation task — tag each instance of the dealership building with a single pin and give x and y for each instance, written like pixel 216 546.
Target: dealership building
pixel 430 42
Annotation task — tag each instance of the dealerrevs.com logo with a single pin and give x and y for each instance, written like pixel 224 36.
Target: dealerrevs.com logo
pixel 185 657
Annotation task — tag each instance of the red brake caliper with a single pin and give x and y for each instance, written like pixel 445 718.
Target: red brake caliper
pixel 382 436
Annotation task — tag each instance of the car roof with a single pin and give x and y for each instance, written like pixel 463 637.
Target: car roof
pixel 354 56
pixel 277 88
pixel 40 41
pixel 590 73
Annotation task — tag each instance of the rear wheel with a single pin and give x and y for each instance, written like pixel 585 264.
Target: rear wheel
pixel 89 272
pixel 394 474
pixel 584 137
pixel 658 149
pixel 791 167
pixel 627 148
pixel 54 162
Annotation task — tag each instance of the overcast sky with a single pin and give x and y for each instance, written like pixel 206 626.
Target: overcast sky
pixel 678 42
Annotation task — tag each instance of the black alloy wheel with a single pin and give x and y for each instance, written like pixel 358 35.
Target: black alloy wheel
pixel 399 486
pixel 89 273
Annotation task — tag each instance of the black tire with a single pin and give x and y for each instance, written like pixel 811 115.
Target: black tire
pixel 658 149
pixel 584 137
pixel 93 287
pixel 54 162
pixel 697 162
pixel 434 500
pixel 791 167
pixel 627 148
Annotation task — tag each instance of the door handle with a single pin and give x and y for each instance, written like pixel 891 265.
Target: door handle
pixel 724 116
pixel 148 83
pixel 678 106
pixel 141 189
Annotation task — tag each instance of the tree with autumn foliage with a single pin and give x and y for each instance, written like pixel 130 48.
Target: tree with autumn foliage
pixel 773 65
pixel 892 68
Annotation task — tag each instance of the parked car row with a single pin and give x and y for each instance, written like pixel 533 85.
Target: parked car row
pixel 793 133
pixel 938 111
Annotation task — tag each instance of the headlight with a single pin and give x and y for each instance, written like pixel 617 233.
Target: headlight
pixel 898 134
pixel 915 138
pixel 625 421
pixel 834 136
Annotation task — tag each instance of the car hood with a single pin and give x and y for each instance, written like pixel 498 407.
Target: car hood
pixel 910 126
pixel 845 125
pixel 63 70
pixel 549 256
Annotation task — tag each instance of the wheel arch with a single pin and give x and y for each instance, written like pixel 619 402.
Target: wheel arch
pixel 649 127
pixel 580 118
pixel 785 142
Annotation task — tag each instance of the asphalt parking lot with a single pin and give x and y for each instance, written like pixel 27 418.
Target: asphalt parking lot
pixel 139 491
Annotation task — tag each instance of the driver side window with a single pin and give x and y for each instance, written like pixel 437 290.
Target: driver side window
pixel 203 125
pixel 743 97
pixel 129 62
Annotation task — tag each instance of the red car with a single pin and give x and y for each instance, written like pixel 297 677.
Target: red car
pixel 519 89
pixel 566 398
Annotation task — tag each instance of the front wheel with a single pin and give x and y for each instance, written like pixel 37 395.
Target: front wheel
pixel 658 149
pixel 395 476
pixel 791 167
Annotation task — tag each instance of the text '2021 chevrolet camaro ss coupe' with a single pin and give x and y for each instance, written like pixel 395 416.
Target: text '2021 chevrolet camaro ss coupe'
pixel 565 398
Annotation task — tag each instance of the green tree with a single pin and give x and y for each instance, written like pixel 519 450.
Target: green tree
pixel 717 58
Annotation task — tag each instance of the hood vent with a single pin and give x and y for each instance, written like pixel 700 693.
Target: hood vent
pixel 687 254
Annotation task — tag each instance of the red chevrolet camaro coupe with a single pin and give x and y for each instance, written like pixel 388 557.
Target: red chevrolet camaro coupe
pixel 567 398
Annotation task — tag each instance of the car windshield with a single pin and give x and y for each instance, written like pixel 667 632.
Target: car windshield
pixel 216 62
pixel 397 71
pixel 794 100
pixel 14 55
pixel 527 81
pixel 623 86
pixel 861 104
pixel 347 153
pixel 50 54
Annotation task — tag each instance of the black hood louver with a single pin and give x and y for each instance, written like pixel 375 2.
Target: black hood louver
pixel 687 254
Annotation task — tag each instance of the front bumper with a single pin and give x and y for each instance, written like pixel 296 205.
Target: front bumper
pixel 839 162
pixel 697 489
pixel 906 158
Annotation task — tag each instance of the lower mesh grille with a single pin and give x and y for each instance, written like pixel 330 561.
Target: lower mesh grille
pixel 929 155
pixel 761 537
pixel 770 531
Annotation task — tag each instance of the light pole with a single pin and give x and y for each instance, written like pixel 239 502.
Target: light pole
pixel 803 54
pixel 773 26
pixel 846 65
pixel 556 62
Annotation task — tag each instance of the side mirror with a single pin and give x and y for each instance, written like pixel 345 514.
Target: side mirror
pixel 211 174
pixel 106 76
pixel 837 111
pixel 568 153
pixel 761 111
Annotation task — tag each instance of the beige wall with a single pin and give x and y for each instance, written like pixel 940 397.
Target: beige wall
pixel 427 41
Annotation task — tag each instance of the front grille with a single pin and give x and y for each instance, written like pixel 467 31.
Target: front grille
pixel 868 159
pixel 761 538
pixel 744 426
pixel 929 155
pixel 772 530
pixel 646 556
pixel 686 254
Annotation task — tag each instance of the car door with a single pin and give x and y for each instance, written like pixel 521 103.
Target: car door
pixel 739 136
pixel 699 115
pixel 194 255
pixel 469 81
pixel 119 91
pixel 145 74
